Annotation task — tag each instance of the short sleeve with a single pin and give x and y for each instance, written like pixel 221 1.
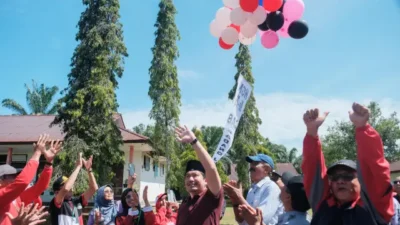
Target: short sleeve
pixel 54 204
pixel 83 201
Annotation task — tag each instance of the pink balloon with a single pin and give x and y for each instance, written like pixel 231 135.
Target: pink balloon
pixel 269 39
pixel 293 9
pixel 283 32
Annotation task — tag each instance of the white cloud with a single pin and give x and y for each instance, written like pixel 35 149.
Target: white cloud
pixel 188 74
pixel 281 114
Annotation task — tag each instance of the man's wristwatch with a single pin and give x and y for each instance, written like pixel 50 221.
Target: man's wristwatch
pixel 194 141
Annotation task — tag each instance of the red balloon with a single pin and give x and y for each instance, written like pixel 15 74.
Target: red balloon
pixel 224 45
pixel 249 5
pixel 272 5
pixel 236 27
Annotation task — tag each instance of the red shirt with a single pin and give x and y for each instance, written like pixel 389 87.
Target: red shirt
pixel 12 195
pixel 203 209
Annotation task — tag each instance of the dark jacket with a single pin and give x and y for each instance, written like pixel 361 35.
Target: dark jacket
pixel 373 206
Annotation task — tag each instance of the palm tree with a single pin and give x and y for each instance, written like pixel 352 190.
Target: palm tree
pixel 38 98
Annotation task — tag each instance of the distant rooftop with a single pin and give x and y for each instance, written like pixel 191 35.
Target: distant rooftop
pixel 27 128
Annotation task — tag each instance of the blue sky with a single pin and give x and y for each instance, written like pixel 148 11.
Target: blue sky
pixel 350 54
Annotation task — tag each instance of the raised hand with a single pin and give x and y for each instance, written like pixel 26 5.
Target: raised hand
pixel 28 216
pixel 145 196
pixel 250 215
pixel 79 160
pixel 55 148
pixel 313 120
pixel 184 135
pixel 360 115
pixel 234 191
pixel 97 216
pixel 132 179
pixel 88 163
pixel 40 145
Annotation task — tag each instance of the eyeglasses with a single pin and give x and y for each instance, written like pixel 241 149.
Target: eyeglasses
pixel 396 182
pixel 109 192
pixel 344 177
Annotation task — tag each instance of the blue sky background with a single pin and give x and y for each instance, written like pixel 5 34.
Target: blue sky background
pixel 351 53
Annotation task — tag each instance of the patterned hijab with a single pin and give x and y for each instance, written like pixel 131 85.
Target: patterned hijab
pixel 108 208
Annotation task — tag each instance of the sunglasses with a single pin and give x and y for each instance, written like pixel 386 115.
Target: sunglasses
pixel 252 170
pixel 344 177
pixel 396 182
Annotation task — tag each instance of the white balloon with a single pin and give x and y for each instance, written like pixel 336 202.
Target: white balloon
pixel 230 36
pixel 248 29
pixel 239 16
pixel 258 16
pixel 246 41
pixel 215 29
pixel 231 3
pixel 223 17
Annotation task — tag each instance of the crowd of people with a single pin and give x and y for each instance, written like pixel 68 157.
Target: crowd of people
pixel 345 193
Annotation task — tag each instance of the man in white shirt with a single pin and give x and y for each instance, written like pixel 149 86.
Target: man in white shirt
pixel 263 194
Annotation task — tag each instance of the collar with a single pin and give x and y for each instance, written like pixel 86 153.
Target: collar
pixel 195 197
pixel 296 213
pixel 260 183
pixel 332 202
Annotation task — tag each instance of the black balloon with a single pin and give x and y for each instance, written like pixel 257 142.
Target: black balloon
pixel 281 9
pixel 263 26
pixel 275 20
pixel 298 29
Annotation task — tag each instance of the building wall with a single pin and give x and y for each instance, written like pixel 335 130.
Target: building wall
pixel 145 176
pixel 393 175
pixel 150 176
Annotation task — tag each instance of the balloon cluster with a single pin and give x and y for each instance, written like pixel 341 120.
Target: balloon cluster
pixel 240 20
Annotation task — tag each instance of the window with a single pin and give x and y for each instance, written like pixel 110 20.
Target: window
pixel 155 169
pixel 18 160
pixel 162 169
pixel 146 162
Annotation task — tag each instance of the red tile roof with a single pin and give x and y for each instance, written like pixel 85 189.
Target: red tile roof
pixel 26 129
pixel 395 166
pixel 285 167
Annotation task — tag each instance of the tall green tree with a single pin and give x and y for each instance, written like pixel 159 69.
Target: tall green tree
pixel 340 143
pixel 146 130
pixel 164 86
pixel 90 99
pixel 247 138
pixel 39 99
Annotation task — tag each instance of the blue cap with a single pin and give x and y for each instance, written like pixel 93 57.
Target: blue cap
pixel 261 158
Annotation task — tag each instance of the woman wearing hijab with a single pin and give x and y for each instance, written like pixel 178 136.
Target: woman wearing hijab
pixel 106 208
pixel 166 211
pixel 132 213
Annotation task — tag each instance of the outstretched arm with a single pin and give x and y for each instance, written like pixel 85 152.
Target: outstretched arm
pixel 32 193
pixel 316 182
pixel 12 191
pixel 70 182
pixel 185 135
pixel 371 160
pixel 92 180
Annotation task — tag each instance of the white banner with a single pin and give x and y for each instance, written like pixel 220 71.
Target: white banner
pixel 243 91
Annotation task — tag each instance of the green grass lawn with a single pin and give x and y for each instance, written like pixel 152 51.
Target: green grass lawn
pixel 229 217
